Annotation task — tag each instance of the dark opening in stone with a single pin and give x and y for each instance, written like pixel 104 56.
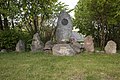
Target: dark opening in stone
pixel 64 21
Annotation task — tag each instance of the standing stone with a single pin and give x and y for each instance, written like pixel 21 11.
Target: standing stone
pixel 37 44
pixel 20 46
pixel 64 27
pixel 88 44
pixel 63 50
pixel 110 48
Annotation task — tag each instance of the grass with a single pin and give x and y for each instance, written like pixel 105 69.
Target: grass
pixel 40 66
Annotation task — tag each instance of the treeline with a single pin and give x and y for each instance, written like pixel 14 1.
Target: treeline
pixel 28 13
pixel 99 18
pixel 20 19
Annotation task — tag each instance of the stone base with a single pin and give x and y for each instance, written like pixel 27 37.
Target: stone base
pixel 63 50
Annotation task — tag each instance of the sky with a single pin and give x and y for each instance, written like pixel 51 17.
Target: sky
pixel 71 4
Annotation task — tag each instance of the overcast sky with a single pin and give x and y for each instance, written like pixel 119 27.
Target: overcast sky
pixel 71 4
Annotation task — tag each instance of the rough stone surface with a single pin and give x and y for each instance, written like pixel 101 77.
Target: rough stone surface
pixel 3 51
pixel 88 44
pixel 63 50
pixel 76 47
pixel 48 45
pixel 64 27
pixel 20 46
pixel 37 44
pixel 110 48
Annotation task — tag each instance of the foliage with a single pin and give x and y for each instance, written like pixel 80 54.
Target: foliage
pixel 98 18
pixel 9 38
pixel 9 10
pixel 40 16
pixel 28 17
pixel 26 12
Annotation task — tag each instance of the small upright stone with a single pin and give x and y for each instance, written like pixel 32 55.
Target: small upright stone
pixel 88 44
pixel 37 44
pixel 3 51
pixel 110 48
pixel 64 27
pixel 20 46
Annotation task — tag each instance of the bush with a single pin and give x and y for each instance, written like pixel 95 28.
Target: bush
pixel 9 38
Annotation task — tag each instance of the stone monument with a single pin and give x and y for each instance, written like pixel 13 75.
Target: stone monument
pixel 20 46
pixel 88 44
pixel 37 44
pixel 63 36
pixel 110 48
pixel 64 27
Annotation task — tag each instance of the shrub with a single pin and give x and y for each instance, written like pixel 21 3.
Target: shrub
pixel 9 38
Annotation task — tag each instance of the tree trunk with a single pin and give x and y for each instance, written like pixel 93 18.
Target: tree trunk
pixel 36 23
pixel 102 39
pixel 30 25
pixel 6 23
pixel 41 25
pixel 12 23
pixel 103 29
pixel 1 25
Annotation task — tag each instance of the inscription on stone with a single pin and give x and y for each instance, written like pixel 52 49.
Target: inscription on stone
pixel 64 21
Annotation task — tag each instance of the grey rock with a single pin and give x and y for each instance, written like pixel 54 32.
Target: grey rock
pixel 111 47
pixel 76 47
pixel 77 36
pixel 64 27
pixel 63 50
pixel 48 45
pixel 88 44
pixel 3 51
pixel 37 44
pixel 20 46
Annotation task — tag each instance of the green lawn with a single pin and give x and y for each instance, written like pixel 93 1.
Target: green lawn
pixel 39 66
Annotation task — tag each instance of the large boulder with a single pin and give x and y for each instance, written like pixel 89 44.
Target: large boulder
pixel 88 44
pixel 63 50
pixel 37 44
pixel 110 48
pixel 20 46
pixel 64 27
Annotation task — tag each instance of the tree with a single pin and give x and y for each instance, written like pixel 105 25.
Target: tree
pixel 40 15
pixel 97 18
pixel 8 11
pixel 27 16
pixel 1 25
